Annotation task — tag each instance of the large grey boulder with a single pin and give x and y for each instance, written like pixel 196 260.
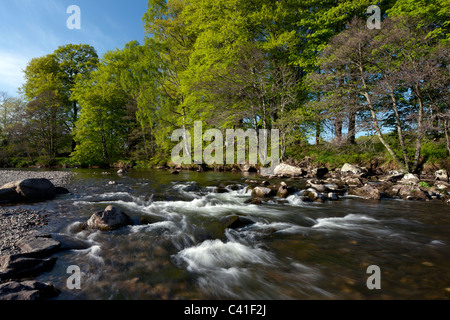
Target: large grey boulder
pixel 410 178
pixel 10 195
pixel 111 218
pixel 27 291
pixel 288 170
pixel 441 175
pixel 29 190
pixel 352 169
pixel 367 192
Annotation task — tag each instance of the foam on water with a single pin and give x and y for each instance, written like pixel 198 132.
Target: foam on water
pixel 216 254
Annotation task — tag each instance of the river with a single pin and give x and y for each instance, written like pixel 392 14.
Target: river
pixel 291 250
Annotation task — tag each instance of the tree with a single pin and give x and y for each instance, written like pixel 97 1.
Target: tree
pixel 101 132
pixel 59 72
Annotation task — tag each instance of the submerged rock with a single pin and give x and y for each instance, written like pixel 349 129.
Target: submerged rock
pixel 236 222
pixel 111 218
pixel 27 291
pixel 18 266
pixel 36 246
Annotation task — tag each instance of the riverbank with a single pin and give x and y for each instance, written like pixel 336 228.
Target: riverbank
pixel 24 249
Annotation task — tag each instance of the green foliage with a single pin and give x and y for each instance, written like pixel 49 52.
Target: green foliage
pixel 260 64
pixel 424 184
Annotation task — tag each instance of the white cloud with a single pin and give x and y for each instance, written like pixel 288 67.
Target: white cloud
pixel 11 72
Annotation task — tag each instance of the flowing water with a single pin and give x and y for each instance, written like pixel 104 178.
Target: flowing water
pixel 291 250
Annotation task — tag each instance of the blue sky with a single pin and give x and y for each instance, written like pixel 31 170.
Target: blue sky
pixel 34 28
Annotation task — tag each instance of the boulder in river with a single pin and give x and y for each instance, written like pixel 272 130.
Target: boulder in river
pixel 367 192
pixel 441 175
pixel 319 172
pixel 18 266
pixel 29 190
pixel 10 195
pixel 284 191
pixel 411 192
pixel 352 169
pixel 38 246
pixel 111 218
pixel 410 178
pixel 288 170
pixel 27 291
pixel 262 192
pixel 236 222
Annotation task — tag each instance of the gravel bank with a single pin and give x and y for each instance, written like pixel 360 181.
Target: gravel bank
pixel 58 178
pixel 16 223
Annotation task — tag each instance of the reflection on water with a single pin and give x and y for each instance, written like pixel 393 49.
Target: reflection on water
pixel 289 250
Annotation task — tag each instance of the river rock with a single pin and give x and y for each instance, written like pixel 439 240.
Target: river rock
pixel 441 175
pixel 288 170
pixel 10 195
pixel 442 185
pixel 410 178
pixel 248 168
pixel 333 196
pixel 367 192
pixel 284 191
pixel 71 243
pixel 262 192
pixel 32 189
pixel 352 169
pixel 18 266
pixel 319 172
pixel 409 192
pixel 27 291
pixel 111 218
pixel 313 195
pixel 236 222
pixel 352 181
pixel 38 246
pixel 316 185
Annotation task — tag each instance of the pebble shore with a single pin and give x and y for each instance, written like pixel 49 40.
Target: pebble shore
pixel 16 223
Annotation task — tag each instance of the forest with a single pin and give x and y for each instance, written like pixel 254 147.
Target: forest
pixel 337 90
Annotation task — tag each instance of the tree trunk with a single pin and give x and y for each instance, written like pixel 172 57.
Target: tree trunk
pixel 338 130
pixel 75 118
pixel 351 138
pixel 447 136
pixel 318 131
pixel 374 117
pixel 419 131
pixel 399 129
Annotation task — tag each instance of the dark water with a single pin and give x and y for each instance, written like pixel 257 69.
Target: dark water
pixel 294 250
